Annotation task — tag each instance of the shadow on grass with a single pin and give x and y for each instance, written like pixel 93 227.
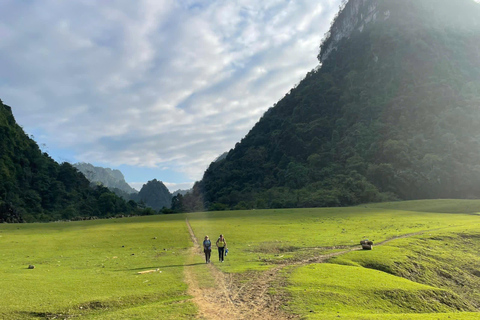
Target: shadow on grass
pixel 44 315
pixel 164 267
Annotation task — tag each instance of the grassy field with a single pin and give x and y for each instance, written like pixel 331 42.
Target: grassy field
pixel 258 236
pixel 90 269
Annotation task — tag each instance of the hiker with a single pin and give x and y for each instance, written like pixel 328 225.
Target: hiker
pixel 207 248
pixel 221 245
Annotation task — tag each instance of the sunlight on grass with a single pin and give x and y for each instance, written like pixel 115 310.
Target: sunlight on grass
pixel 90 269
pixel 437 205
pixel 81 267
pixel 336 289
pixel 258 237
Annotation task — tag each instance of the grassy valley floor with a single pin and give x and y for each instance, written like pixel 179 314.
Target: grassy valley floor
pixel 282 264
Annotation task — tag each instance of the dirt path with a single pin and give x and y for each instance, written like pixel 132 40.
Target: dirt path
pixel 230 299
pixel 247 296
pixel 325 257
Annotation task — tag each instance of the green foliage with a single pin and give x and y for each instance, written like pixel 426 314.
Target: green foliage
pixel 193 201
pixel 9 214
pixel 218 207
pixel 177 203
pixel 33 187
pixel 391 114
pixel 154 194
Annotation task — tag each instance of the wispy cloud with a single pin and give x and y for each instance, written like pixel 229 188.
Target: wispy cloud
pixel 153 83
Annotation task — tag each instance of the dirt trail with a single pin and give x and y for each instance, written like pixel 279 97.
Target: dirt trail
pixel 325 257
pixel 245 297
pixel 230 299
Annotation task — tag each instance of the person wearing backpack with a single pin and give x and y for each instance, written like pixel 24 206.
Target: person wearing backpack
pixel 221 245
pixel 207 249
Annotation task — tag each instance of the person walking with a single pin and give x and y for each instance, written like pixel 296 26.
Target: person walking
pixel 221 245
pixel 207 249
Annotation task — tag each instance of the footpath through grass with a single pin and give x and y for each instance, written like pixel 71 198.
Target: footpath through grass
pixel 257 238
pixel 434 275
pixel 89 269
pixel 428 276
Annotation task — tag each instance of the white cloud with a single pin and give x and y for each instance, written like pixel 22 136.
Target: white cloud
pixel 154 83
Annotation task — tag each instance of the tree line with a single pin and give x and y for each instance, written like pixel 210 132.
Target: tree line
pixel 35 188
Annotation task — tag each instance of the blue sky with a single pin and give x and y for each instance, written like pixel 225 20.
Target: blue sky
pixel 155 88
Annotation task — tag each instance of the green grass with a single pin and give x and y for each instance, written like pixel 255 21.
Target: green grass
pixel 89 268
pixel 258 237
pixel 400 316
pixel 337 289
pixel 447 259
pixel 437 206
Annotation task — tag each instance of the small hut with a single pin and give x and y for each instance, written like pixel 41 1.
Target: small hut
pixel 366 244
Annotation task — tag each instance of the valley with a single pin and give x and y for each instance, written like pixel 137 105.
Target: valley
pixel 282 264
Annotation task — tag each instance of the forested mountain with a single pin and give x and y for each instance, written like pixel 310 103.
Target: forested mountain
pixel 112 179
pixel 154 194
pixel 392 112
pixel 33 187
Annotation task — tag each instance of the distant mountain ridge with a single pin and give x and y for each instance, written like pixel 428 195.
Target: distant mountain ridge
pixel 180 191
pixel 154 193
pixel 110 178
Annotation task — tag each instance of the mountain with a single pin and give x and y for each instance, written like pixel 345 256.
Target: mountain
pixel 221 157
pixel 112 179
pixel 154 194
pixel 180 191
pixel 33 187
pixel 391 112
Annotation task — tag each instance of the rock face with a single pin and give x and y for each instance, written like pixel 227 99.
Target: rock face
pixel 354 16
pixel 154 193
pixel 112 179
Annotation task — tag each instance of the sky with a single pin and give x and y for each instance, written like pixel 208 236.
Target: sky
pixel 155 88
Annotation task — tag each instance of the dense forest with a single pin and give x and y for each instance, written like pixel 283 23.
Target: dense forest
pixel 153 194
pixel 391 113
pixel 33 187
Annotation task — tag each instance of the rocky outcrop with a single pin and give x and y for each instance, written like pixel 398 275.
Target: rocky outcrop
pixel 354 16
pixel 112 179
